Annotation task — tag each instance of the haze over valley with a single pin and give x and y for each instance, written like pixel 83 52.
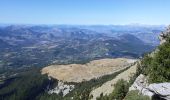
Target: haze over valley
pixel 38 46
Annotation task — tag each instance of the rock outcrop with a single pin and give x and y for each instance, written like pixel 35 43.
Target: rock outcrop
pixel 164 35
pixel 162 90
pixel 140 84
pixel 61 88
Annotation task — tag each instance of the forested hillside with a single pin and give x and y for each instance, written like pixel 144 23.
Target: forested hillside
pixel 157 64
pixel 27 85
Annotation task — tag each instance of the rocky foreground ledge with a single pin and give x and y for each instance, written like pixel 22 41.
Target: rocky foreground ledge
pixel 154 90
pixel 161 90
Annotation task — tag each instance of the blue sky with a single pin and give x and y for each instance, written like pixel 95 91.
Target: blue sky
pixel 85 11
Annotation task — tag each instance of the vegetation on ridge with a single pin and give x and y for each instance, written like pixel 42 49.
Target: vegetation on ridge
pixel 157 65
pixel 26 85
pixel 31 85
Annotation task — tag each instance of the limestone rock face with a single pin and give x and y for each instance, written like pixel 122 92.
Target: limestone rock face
pixel 62 88
pixel 141 85
pixel 164 34
pixel 160 89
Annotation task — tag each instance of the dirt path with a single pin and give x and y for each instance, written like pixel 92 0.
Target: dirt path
pixel 108 87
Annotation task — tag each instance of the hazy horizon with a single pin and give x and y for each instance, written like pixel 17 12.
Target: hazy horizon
pixel 36 24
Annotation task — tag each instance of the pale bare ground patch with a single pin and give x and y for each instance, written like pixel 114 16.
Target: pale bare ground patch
pixel 108 87
pixel 88 71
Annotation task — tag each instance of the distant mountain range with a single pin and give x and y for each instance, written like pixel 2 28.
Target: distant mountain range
pixel 27 45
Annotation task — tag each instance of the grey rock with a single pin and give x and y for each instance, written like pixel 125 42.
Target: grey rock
pixel 160 89
pixel 164 35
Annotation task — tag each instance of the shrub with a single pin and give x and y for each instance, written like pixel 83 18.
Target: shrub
pixel 120 90
pixel 134 95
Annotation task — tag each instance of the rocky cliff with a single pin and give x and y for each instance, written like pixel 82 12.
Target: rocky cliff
pixel 154 70
pixel 164 35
